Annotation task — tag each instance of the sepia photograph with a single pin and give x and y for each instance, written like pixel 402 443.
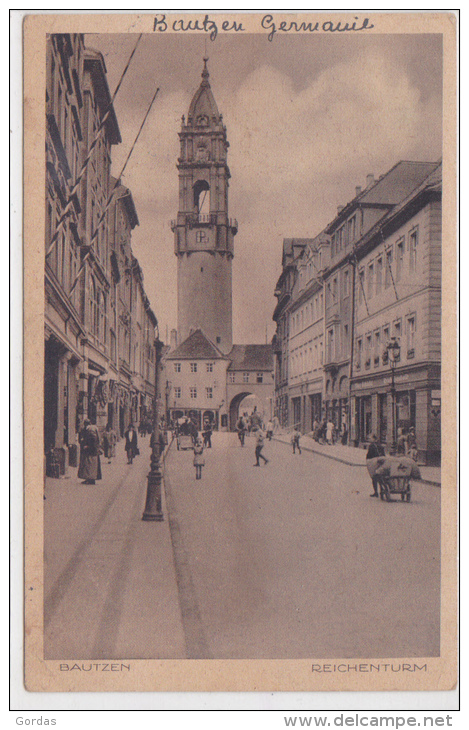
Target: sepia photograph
pixel 239 255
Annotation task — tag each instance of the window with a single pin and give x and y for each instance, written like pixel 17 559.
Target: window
pixel 377 343
pixel 413 241
pixel 379 274
pixel 371 276
pixel 177 367
pixel 232 377
pixel 345 341
pixel 177 392
pixel 193 367
pixel 245 377
pixel 193 392
pixel 209 392
pixel 399 259
pixel 352 229
pixel 260 377
pixel 210 367
pixel 361 285
pixel 218 340
pixel 359 353
pixel 388 271
pixel 411 336
pixel 368 346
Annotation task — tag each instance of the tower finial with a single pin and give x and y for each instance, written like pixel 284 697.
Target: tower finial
pixel 205 73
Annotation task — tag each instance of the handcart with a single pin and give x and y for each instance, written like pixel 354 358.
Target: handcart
pixel 394 476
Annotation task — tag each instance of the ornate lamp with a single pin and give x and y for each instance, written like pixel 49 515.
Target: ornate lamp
pixel 153 509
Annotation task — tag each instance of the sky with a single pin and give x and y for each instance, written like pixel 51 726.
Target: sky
pixel 307 117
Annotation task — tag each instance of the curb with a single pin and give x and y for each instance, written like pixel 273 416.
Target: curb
pixel 350 463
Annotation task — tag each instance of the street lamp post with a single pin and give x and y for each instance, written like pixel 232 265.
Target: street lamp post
pixel 394 352
pixel 153 509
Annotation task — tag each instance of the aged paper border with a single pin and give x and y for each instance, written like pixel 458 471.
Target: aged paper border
pixel 217 675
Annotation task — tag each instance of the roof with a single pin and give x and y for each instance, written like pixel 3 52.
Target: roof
pixel 398 183
pixel 251 357
pixel 94 60
pixel 124 194
pixel 196 347
pixel 293 246
pixel 389 190
pixel 431 184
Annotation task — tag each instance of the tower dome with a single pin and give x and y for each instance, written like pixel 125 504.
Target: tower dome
pixel 203 106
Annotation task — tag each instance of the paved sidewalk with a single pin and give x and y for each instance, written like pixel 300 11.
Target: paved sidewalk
pixel 109 575
pixel 353 456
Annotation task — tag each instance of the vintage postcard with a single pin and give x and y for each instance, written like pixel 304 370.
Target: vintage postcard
pixel 239 351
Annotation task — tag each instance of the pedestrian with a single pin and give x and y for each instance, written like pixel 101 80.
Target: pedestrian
pixel 131 443
pixel 207 434
pixel 276 424
pixel 295 440
pixel 269 429
pixel 330 432
pixel 375 450
pixel 401 441
pixel 344 434
pixel 259 446
pixel 256 419
pixel 241 428
pixel 199 460
pixel 89 468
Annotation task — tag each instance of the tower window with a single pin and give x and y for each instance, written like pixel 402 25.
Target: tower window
pixel 201 199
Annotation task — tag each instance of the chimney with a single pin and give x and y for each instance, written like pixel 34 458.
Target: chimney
pixel 358 190
pixel 174 339
pixel 340 209
pixel 370 180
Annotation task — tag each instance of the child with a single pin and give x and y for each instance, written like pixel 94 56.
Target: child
pixel 295 440
pixel 199 460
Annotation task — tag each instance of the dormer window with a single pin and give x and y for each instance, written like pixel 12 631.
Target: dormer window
pixel 202 120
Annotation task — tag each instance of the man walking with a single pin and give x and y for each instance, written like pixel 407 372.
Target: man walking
pixel 259 446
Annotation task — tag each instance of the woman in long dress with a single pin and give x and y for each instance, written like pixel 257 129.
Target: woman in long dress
pixel 89 468
pixel 131 443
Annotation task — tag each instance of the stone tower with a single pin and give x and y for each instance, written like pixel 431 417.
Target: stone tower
pixel 203 232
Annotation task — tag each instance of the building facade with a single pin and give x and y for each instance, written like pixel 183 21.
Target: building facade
pixel 398 296
pixel 88 262
pixel 381 279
